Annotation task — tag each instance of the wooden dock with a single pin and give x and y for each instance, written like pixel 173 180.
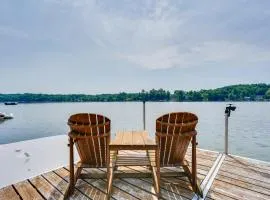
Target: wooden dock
pixel 221 177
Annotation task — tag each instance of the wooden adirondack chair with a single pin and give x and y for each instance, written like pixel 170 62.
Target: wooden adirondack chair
pixel 91 135
pixel 174 132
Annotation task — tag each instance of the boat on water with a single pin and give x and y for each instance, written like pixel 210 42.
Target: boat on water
pixel 4 116
pixel 11 103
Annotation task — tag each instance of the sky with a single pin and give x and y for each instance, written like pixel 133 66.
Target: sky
pixel 94 47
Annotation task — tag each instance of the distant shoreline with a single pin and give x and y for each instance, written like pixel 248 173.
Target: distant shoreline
pixel 42 102
pixel 235 93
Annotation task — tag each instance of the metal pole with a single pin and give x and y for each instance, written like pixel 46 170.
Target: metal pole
pixel 143 115
pixel 226 132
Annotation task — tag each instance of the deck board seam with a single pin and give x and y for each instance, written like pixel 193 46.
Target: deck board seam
pixel 202 164
pixel 197 173
pixel 241 181
pixel 161 178
pixel 204 157
pixel 170 191
pixel 221 194
pixel 244 176
pixel 149 182
pixel 98 189
pixel 206 150
pixel 245 187
pixel 251 160
pixel 198 168
pixel 234 163
pixel 136 185
pixel 251 185
pixel 164 187
pixel 147 191
pixel 115 186
pixel 36 189
pixel 85 180
pixel 123 179
pixel 51 184
pixel 75 186
pixel 249 168
pixel 14 188
pixel 176 177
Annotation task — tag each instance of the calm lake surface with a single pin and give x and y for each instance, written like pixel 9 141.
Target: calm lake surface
pixel 249 125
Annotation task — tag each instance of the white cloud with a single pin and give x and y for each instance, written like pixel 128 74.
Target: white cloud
pixel 165 37
pixel 165 57
pixel 218 52
pixel 119 39
pixel 156 34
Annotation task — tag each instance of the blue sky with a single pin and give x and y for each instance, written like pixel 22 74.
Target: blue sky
pixel 85 46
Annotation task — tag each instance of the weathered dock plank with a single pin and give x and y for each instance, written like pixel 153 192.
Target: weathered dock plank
pixel 241 179
pixel 213 195
pixel 45 188
pixel 127 187
pixel 247 161
pixel 244 184
pixel 81 185
pixel 236 191
pixel 27 191
pixel 62 185
pixel 56 181
pixel 237 178
pixel 245 179
pixel 118 191
pixel 203 153
pixel 258 170
pixel 246 172
pixel 169 188
pixel 9 193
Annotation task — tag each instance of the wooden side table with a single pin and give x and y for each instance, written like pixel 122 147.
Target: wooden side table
pixel 137 140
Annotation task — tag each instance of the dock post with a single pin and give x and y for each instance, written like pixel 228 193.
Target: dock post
pixel 228 110
pixel 143 115
pixel 226 132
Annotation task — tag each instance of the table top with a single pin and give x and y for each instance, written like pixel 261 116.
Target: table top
pixel 132 140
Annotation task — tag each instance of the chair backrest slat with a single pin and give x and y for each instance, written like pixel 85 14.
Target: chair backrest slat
pixel 172 142
pixel 92 134
pixel 173 134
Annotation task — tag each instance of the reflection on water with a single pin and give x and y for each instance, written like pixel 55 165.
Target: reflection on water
pixel 249 125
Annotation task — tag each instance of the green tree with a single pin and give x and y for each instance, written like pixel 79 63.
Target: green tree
pixel 233 93
pixel 267 94
pixel 179 95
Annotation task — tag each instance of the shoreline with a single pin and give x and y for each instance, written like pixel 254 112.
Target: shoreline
pixel 138 102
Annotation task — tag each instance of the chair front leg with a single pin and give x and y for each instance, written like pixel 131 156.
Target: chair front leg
pixel 71 185
pixel 195 182
pixel 194 161
pixel 71 164
pixel 110 169
pixel 158 171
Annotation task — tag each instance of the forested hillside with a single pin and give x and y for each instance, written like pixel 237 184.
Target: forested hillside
pixel 247 92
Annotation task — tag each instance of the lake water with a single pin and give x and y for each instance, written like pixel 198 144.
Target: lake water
pixel 249 125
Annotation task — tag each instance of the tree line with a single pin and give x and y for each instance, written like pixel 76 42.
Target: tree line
pixel 243 92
